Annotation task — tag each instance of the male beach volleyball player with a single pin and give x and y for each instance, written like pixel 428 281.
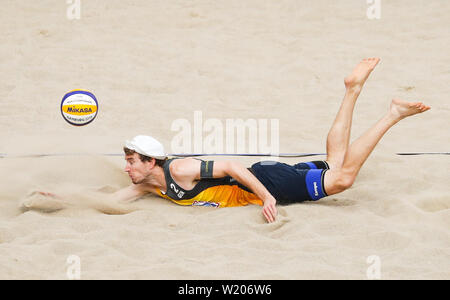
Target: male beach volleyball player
pixel 191 181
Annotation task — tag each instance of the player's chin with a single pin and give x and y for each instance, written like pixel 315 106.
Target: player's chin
pixel 136 181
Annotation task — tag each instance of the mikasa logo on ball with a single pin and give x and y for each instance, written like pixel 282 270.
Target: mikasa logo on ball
pixel 75 109
pixel 79 107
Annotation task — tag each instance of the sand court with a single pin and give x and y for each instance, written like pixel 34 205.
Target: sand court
pixel 151 63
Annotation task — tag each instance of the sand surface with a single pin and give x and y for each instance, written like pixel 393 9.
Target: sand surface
pixel 151 63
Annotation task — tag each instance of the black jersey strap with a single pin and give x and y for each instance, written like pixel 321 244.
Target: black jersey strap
pixel 206 169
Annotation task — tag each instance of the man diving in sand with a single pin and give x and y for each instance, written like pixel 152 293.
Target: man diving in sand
pixel 191 181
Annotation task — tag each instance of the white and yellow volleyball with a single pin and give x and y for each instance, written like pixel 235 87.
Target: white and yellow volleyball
pixel 79 107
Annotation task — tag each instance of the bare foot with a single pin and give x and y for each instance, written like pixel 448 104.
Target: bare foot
pixel 401 109
pixel 356 80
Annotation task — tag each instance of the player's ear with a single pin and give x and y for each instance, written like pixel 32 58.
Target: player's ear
pixel 151 163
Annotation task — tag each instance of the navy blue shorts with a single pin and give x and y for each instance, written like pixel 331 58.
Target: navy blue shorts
pixel 292 184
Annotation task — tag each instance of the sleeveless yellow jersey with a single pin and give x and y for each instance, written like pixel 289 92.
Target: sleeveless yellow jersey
pixel 215 192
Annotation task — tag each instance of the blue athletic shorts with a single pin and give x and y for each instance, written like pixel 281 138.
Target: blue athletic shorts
pixel 292 183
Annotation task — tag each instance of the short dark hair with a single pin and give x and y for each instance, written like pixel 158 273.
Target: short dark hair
pixel 144 158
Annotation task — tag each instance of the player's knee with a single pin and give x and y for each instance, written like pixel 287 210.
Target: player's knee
pixel 345 181
pixel 338 180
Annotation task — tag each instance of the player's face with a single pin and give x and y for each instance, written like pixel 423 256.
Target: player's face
pixel 136 169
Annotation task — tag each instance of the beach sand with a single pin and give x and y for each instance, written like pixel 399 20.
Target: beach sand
pixel 150 63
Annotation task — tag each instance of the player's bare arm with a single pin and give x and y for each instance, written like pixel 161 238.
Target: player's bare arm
pixel 125 195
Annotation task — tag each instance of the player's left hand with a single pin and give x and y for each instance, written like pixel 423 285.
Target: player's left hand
pixel 269 209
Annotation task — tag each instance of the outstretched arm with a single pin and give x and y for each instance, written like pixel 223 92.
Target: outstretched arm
pixel 113 203
pixel 124 195
pixel 128 194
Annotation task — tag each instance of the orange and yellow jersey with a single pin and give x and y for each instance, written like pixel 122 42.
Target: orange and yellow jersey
pixel 215 192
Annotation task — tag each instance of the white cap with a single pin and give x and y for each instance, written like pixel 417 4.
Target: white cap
pixel 146 145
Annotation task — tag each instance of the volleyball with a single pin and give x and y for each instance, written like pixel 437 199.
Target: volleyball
pixel 79 107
